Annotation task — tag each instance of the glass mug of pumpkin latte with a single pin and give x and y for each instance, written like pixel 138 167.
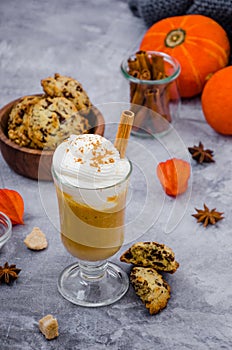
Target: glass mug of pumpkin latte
pixel 91 182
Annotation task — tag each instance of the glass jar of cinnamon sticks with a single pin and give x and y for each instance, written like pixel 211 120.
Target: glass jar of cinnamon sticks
pixel 154 95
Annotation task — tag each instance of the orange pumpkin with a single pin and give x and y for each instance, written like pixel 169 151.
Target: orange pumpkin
pixel 173 175
pixel 199 44
pixel 217 102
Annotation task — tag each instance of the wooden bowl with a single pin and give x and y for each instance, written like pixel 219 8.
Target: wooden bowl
pixel 32 163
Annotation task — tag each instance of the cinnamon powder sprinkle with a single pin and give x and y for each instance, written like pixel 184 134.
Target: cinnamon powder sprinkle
pixel 100 155
pixel 100 159
pixel 78 160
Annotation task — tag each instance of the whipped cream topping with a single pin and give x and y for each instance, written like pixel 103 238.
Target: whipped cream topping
pixel 89 161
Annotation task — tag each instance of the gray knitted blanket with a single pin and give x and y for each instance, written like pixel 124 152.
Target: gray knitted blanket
pixel 154 10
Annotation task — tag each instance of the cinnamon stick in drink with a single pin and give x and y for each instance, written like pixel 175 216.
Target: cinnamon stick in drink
pixel 123 132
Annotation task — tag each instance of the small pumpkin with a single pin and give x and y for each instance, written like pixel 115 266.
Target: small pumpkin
pixel 199 44
pixel 217 102
pixel 174 175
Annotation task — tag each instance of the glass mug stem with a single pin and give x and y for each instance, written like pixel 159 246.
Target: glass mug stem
pixel 92 271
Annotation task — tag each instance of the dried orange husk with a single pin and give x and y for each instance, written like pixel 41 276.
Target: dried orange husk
pixel 173 175
pixel 12 204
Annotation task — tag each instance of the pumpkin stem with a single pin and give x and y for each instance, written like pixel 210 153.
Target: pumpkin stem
pixel 175 37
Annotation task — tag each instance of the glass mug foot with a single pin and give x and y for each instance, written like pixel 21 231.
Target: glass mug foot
pixel 93 284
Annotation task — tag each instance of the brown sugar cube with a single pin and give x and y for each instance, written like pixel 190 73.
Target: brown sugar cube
pixel 48 325
pixel 36 240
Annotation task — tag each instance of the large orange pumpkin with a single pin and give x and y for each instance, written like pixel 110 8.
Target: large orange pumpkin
pixel 199 44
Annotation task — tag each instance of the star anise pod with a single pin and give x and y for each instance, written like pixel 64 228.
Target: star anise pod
pixel 8 273
pixel 207 216
pixel 200 154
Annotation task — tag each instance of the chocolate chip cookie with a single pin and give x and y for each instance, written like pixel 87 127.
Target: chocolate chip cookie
pixel 63 86
pixel 52 120
pixel 152 289
pixel 151 254
pixel 18 120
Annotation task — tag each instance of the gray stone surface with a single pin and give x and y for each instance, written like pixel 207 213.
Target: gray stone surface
pixel 88 40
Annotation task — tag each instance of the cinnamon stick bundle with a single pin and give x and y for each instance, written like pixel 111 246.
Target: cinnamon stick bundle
pixel 155 97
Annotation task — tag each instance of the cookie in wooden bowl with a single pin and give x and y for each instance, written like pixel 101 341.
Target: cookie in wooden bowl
pixel 29 160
